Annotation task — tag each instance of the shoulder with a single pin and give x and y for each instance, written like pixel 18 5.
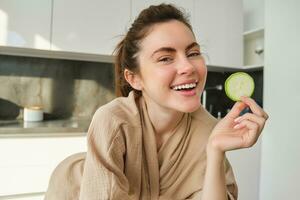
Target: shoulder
pixel 119 110
pixel 113 119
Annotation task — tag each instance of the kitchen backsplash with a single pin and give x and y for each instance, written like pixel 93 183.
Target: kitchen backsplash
pixel 64 88
pixel 67 88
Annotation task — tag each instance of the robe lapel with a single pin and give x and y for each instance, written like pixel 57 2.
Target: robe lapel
pixel 173 151
pixel 151 168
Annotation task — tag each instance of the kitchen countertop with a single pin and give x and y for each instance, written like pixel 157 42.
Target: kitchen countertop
pixel 46 128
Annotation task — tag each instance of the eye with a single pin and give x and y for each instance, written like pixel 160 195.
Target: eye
pixel 165 59
pixel 194 54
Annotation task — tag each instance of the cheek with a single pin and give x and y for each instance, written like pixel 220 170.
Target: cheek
pixel 166 76
pixel 202 70
pixel 160 75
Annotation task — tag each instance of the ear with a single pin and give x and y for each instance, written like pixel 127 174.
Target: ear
pixel 133 79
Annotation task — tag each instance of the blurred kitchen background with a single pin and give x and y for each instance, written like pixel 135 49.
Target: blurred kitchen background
pixel 57 54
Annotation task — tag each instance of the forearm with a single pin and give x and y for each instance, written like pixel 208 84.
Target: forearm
pixel 214 183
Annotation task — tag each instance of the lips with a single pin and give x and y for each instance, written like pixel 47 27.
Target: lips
pixel 185 85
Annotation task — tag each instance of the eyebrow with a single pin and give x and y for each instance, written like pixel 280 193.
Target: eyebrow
pixel 171 49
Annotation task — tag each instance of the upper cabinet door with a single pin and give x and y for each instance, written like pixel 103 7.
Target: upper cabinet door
pixel 93 26
pixel 218 26
pixel 25 23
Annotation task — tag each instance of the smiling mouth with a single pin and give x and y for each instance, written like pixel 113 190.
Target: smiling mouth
pixel 189 86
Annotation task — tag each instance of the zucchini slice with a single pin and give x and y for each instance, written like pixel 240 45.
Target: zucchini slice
pixel 239 84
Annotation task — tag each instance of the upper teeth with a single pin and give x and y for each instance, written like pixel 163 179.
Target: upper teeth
pixel 185 86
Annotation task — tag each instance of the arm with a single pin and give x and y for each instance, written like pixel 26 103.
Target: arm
pixel 232 132
pixel 214 181
pixel 217 171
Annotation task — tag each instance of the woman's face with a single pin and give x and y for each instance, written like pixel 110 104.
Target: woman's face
pixel 172 70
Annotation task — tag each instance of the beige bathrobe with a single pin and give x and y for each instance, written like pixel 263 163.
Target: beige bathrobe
pixel 122 161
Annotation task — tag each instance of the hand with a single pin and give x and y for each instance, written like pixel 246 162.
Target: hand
pixel 234 131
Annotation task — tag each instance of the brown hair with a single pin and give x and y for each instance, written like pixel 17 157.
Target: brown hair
pixel 127 49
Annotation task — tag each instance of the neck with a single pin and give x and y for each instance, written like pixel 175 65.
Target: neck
pixel 163 120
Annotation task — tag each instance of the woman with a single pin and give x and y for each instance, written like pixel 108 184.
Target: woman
pixel 157 142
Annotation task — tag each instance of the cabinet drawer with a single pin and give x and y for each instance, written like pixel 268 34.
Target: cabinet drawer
pixel 27 163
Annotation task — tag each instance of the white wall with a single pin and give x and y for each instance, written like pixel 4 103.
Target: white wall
pixel 253 14
pixel 246 167
pixel 280 169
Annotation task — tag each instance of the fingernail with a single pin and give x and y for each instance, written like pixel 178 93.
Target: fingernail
pixel 237 119
pixel 236 126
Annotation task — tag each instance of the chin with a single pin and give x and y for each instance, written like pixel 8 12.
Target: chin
pixel 189 108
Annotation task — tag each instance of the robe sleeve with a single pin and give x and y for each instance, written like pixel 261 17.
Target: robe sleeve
pixel 232 189
pixel 103 175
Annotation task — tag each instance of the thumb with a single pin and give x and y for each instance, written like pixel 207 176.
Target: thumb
pixel 236 109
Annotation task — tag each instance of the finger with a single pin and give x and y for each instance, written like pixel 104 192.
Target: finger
pixel 253 133
pixel 237 108
pixel 255 108
pixel 247 123
pixel 252 117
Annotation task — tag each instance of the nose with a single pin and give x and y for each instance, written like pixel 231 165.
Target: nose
pixel 185 66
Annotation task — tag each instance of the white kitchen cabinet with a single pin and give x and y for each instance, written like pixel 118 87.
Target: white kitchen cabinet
pixel 93 26
pixel 254 47
pixel 27 163
pixel 218 26
pixel 25 23
pixel 254 14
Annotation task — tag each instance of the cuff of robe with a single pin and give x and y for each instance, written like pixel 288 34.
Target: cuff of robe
pixel 230 196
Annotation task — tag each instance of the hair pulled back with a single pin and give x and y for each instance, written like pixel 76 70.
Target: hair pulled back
pixel 127 49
